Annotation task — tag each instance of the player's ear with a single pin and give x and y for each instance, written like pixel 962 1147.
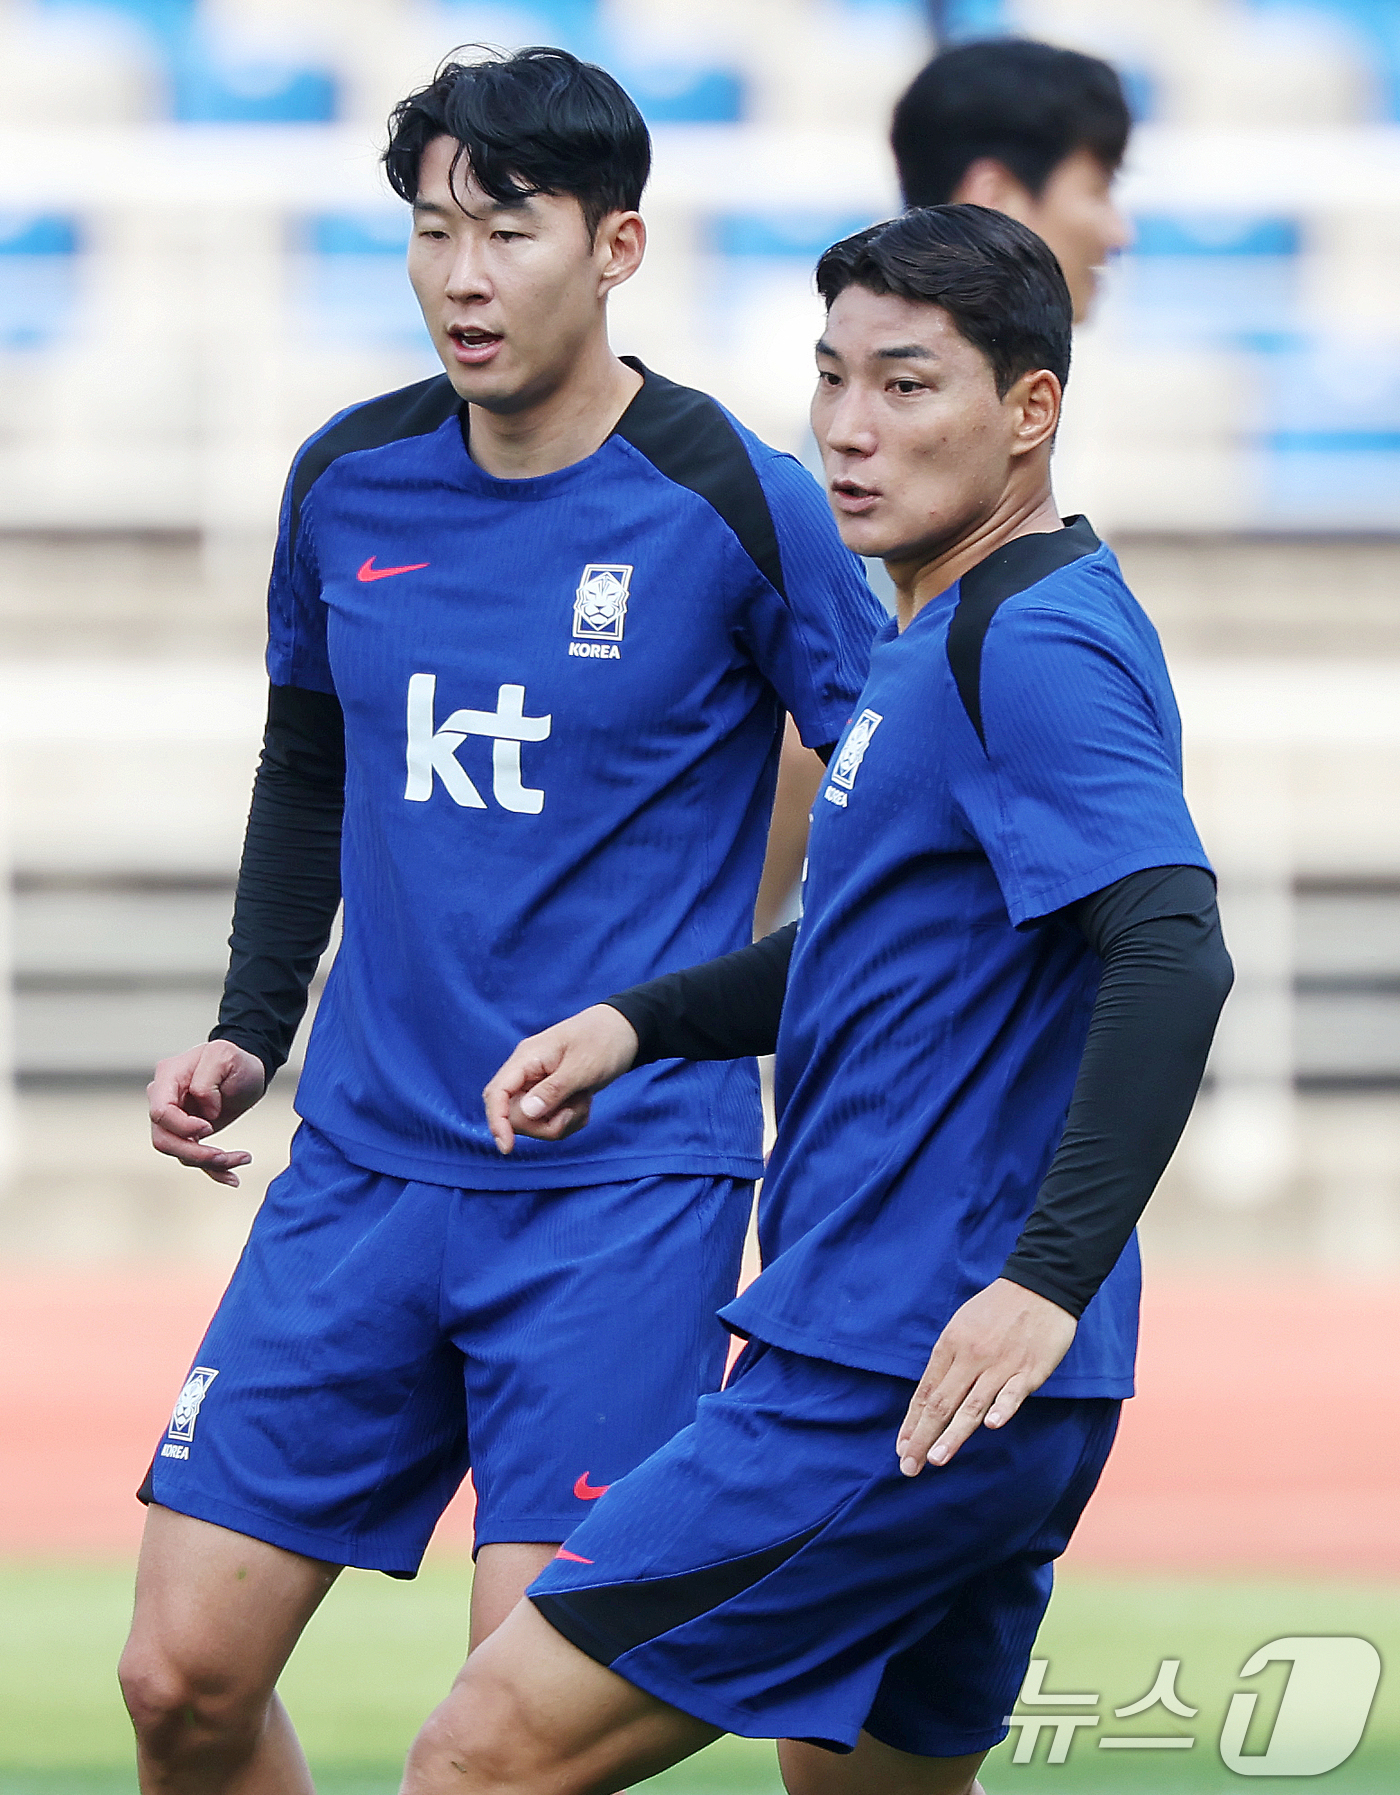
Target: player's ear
pixel 618 246
pixel 1033 405
pixel 990 183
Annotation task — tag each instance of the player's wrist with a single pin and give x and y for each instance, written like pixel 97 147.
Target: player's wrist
pixel 248 1058
pixel 1046 1292
pixel 622 1038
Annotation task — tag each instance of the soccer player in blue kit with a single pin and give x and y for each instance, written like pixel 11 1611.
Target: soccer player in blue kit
pixel 990 1022
pixel 534 627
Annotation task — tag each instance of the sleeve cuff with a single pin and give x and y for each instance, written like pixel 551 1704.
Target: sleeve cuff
pixel 634 1009
pixel 272 1062
pixel 1041 1283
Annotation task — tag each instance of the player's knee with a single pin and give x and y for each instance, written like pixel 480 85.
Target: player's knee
pixel 481 1739
pixel 175 1709
pixel 151 1688
pixel 443 1756
pixel 467 1753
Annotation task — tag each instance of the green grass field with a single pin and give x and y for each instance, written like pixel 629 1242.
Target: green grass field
pixel 379 1653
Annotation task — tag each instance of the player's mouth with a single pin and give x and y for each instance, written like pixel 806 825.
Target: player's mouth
pixel 852 499
pixel 472 346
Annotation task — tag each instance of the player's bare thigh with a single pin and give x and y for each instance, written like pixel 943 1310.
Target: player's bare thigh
pixel 874 1769
pixel 530 1713
pixel 502 1575
pixel 217 1615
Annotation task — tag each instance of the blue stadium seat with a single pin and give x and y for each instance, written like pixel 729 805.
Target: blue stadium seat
pixel 380 233
pixel 208 89
pixel 682 94
pixel 207 85
pixel 957 21
pixel 1141 89
pixel 353 288
pixel 1376 24
pixel 571 24
pixel 38 278
pixel 1218 277
pixel 667 93
pixel 1330 431
pixel 919 10
pixel 757 283
pixel 781 234
pixel 169 20
pixel 1215 234
pixel 1324 434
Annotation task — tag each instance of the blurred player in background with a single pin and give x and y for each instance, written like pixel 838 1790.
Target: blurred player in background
pixel 534 626
pixel 1027 129
pixel 990 1027
pixel 1023 128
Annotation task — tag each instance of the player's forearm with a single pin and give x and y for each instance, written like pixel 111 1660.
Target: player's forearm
pixel 289 879
pixel 1165 979
pixel 725 1009
pixel 799 778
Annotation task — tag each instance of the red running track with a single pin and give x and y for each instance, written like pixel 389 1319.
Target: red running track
pixel 1266 1436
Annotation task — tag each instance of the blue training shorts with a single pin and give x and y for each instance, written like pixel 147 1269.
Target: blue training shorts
pixel 380 1335
pixel 771 1572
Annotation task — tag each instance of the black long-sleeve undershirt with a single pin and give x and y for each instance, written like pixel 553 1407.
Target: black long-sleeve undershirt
pixel 1166 974
pixel 289 878
pixel 723 1009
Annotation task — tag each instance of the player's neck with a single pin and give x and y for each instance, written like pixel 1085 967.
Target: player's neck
pixel 923 577
pixel 564 426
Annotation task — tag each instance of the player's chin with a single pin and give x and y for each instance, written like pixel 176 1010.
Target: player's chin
pixel 868 537
pixel 1084 294
pixel 855 532
pixel 491 387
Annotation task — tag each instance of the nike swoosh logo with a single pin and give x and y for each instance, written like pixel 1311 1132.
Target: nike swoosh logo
pixel 585 1491
pixel 370 572
pixel 572 1557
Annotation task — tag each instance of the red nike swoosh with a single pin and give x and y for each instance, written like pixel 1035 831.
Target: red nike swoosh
pixel 572 1557
pixel 585 1491
pixel 370 572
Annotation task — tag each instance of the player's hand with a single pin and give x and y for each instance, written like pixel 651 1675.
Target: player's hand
pixel 545 1088
pixel 198 1092
pixel 999 1347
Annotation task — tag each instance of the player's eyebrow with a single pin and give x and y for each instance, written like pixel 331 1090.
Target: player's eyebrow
pixel 497 206
pixel 896 352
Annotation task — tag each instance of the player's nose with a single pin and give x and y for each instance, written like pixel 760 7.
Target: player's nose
pixel 467 277
pixel 846 428
pixel 1118 232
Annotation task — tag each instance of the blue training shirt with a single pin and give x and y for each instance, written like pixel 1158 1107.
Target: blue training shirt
pixel 563 702
pixel 1014 750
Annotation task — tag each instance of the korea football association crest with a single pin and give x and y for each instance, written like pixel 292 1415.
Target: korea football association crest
pixel 848 762
pixel 600 611
pixel 188 1404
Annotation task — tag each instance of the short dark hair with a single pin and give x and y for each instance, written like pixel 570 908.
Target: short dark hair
pixel 1024 104
pixel 539 121
pixel 997 281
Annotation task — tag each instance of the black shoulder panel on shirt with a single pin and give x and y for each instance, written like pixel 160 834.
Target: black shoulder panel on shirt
pixel 412 411
pixel 1006 571
pixel 686 436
